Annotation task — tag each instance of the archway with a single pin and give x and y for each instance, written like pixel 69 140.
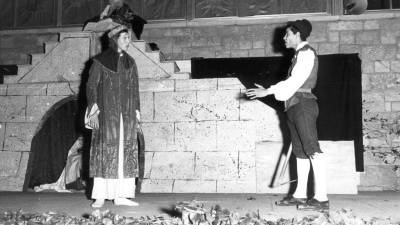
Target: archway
pixel 57 132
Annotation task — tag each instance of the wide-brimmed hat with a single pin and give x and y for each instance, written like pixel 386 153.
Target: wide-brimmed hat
pixel 116 29
pixel 304 26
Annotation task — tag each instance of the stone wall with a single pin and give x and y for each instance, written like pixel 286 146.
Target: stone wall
pixel 22 108
pixel 376 37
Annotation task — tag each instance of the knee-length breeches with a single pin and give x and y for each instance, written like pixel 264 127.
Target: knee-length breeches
pixel 302 123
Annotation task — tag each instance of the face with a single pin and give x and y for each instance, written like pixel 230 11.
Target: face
pixel 291 39
pixel 123 41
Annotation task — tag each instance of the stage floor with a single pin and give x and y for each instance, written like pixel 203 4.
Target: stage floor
pixel 365 204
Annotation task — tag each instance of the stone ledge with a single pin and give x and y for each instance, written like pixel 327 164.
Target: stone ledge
pixel 266 19
pixel 27 89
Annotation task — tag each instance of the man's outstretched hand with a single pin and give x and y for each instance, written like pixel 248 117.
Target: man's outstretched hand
pixel 258 92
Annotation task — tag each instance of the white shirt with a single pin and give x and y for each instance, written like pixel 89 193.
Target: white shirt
pixel 300 72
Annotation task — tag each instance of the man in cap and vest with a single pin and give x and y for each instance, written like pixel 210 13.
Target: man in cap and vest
pixel 302 111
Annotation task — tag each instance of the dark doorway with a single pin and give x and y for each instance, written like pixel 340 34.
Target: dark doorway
pixel 58 130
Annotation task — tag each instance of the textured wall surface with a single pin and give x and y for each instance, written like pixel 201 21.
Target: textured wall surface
pixel 183 112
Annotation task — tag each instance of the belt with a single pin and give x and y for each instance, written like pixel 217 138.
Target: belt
pixel 304 90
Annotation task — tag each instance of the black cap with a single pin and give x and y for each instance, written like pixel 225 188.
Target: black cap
pixel 304 26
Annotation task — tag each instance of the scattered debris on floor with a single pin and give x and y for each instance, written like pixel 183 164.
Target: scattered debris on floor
pixel 192 214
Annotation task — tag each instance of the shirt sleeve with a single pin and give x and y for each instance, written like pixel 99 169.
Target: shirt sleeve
pixel 300 72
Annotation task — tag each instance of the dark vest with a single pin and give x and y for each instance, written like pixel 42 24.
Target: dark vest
pixel 305 90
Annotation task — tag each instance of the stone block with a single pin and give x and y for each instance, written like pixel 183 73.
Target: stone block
pixel 247 166
pixel 148 159
pixel 371 160
pixel 12 108
pixel 236 135
pixel 257 52
pixel 268 160
pixel 392 95
pixel 245 43
pixel 378 177
pixel 195 84
pixel 185 66
pixel 328 48
pixel 223 54
pixel 367 67
pixel 333 36
pixel 11 183
pixel 206 52
pixel 395 106
pixel 217 105
pixel 182 42
pixel 238 53
pixel 237 42
pixel 63 89
pixel 206 41
pixel 147 85
pixel 23 164
pixel 348 49
pixel 236 186
pixel 388 106
pixel 3 89
pixel 195 186
pixel 258 43
pixel 172 165
pixel 157 186
pixel 159 136
pixel 216 166
pixel 384 81
pixel 267 119
pixel 229 84
pixel 371 25
pixel 347 25
pixel 378 52
pixel 18 136
pixel 347 37
pixel 9 162
pixel 2 133
pixel 395 66
pixel 27 89
pixel 365 82
pixel 374 101
pixel 382 66
pixel 379 142
pixel 37 106
pixel 146 106
pixel 196 136
pixel 174 106
pixel 368 37
pixel 341 169
pixel 388 37
pixel 319 33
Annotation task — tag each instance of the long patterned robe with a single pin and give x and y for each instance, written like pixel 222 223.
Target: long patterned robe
pixel 113 86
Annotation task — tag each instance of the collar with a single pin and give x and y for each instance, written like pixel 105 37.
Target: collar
pixel 109 59
pixel 302 44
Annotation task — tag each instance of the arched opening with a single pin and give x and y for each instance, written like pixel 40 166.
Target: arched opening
pixel 60 131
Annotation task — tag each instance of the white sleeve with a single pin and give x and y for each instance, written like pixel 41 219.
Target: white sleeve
pixel 300 72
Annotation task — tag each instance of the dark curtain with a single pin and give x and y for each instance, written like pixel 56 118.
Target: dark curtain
pixel 338 90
